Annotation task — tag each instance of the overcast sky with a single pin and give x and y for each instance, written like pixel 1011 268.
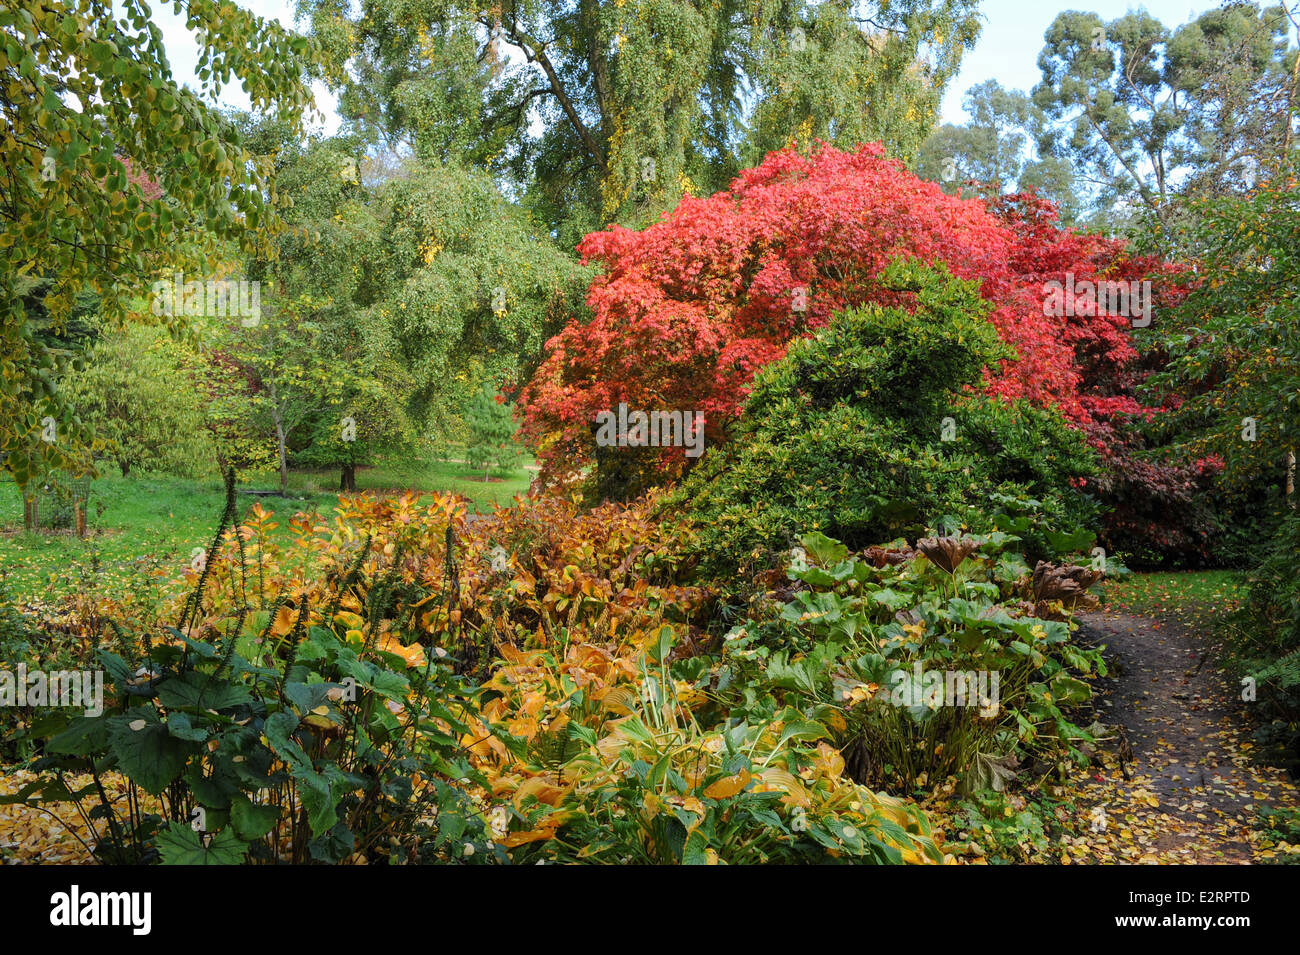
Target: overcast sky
pixel 1006 51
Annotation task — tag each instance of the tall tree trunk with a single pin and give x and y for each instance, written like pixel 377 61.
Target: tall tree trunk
pixel 1290 478
pixel 279 441
pixel 348 482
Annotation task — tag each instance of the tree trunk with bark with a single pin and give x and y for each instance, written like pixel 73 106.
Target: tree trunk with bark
pixel 279 441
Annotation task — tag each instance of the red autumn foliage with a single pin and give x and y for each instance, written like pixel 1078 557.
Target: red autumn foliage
pixel 1157 505
pixel 149 186
pixel 688 309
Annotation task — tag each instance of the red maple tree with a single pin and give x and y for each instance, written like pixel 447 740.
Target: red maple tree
pixel 687 310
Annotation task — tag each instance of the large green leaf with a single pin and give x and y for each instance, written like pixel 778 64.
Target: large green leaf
pixel 201 691
pixel 178 844
pixel 694 852
pixel 890 599
pixel 1071 542
pixel 84 736
pixel 823 549
pixel 253 820
pixel 334 845
pixel 1067 690
pixel 147 753
pixel 801 730
pixel 315 787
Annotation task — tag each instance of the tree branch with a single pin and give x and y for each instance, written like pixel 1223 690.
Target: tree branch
pixel 535 52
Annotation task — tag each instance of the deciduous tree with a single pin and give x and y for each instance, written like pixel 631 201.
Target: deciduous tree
pixel 95 131
pixel 687 310
pixel 611 111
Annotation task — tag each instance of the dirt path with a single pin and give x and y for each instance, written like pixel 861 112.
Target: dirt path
pixel 1192 792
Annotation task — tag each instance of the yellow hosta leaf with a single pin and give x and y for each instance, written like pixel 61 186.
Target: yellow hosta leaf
pixel 285 618
pixel 543 832
pixel 777 779
pixel 413 654
pixel 524 727
pixel 729 785
pixel 541 790
pixel 350 620
pixel 828 761
pixel 622 700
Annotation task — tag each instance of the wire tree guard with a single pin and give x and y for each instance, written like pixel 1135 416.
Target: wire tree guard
pixel 57 504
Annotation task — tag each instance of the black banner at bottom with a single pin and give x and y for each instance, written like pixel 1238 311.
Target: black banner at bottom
pixel 225 904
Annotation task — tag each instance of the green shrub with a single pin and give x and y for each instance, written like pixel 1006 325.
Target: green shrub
pixel 491 431
pixel 18 640
pixel 883 655
pixel 1268 643
pixel 875 427
pixel 1280 828
pixel 133 393
pixel 1272 607
pixel 283 735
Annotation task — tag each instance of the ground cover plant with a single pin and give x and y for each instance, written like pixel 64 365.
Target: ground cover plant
pixel 553 637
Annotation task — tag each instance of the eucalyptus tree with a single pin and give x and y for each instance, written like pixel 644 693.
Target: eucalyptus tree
pixel 993 152
pixel 1147 115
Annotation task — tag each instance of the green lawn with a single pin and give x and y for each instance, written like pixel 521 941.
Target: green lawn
pixel 144 529
pixel 1195 598
pixel 438 476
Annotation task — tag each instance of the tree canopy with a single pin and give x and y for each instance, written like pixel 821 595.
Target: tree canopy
pixel 688 309
pixel 1145 113
pixel 612 111
pixel 115 173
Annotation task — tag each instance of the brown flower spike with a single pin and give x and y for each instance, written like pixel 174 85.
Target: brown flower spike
pixel 1068 584
pixel 947 553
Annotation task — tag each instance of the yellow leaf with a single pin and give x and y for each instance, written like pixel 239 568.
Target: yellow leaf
pixel 284 621
pixel 350 620
pixel 413 655
pixel 539 789
pixel 729 785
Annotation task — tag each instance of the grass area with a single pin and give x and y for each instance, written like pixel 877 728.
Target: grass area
pixel 144 529
pixel 138 528
pixel 442 476
pixel 1194 598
